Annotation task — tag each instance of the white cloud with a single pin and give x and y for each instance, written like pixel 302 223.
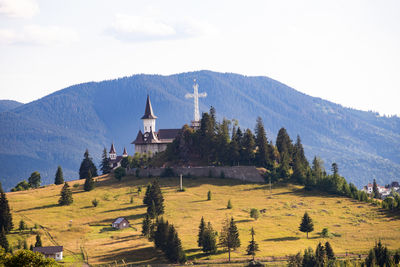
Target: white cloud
pixel 19 8
pixel 149 28
pixel 39 35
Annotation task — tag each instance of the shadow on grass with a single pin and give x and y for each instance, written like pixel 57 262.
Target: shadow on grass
pixel 197 201
pixel 126 208
pixel 287 238
pixel 244 221
pixel 203 254
pixel 140 256
pixel 41 207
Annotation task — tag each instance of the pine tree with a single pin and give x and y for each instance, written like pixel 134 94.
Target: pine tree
pixel 249 146
pixel 3 240
pixel 299 170
pixel 105 163
pixel 34 180
pixel 229 205
pixel 263 153
pixel 161 234
pixel 59 179
pixel 66 195
pixel 86 165
pixel 89 182
pixel 284 144
pixel 5 212
pixel 151 210
pixel 229 237
pixel 147 199
pixel 209 239
pixel 209 195
pixel 329 251
pixel 38 241
pixel 253 246
pixel 309 258
pixel 146 226
pixel 202 226
pixel 320 255
pixel 22 225
pixel 306 225
pixel 25 244
pixel 376 190
pixel 154 194
pixel 173 250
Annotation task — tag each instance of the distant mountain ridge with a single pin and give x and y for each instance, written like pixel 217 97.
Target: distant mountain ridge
pixel 56 129
pixel 6 105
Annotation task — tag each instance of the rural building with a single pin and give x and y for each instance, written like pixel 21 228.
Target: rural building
pixel 115 161
pixel 120 223
pixel 150 140
pixel 55 252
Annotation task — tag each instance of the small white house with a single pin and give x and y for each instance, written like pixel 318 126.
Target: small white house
pixel 55 252
pixel 120 223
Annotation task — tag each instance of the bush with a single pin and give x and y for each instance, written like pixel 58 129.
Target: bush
pixel 254 213
pixel 119 173
pixel 182 190
pixel 131 201
pixel 209 195
pixel 229 206
pixel 75 186
pixel 95 202
pixel 325 232
pixel 168 172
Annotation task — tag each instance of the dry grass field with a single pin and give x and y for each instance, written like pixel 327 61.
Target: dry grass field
pixel 86 235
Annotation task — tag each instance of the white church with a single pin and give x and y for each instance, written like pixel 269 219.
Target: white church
pixel 153 141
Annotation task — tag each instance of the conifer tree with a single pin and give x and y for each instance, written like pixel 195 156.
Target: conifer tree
pixel 151 210
pixel 34 180
pixel 253 246
pixel 173 250
pixel 147 199
pixel 89 182
pixel 284 143
pixel 66 195
pixel 105 163
pixel 38 241
pixel 209 195
pixel 202 226
pixel 25 244
pixel 22 225
pixel 154 194
pixel 309 258
pixel 262 154
pixel 86 165
pixel 329 251
pixel 306 225
pixel 59 178
pixel 209 239
pixel 161 234
pixel 146 226
pixel 229 237
pixel 320 255
pixel 3 240
pixel 376 190
pixel 5 212
pixel 249 146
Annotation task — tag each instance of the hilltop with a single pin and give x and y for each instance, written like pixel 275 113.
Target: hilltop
pixel 56 129
pixel 85 231
pixel 6 105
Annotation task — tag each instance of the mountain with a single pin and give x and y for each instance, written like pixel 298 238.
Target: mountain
pixel 6 105
pixel 56 129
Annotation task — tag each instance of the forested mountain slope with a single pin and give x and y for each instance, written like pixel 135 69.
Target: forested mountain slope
pixel 56 130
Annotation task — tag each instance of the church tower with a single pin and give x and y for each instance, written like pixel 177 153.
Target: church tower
pixel 149 119
pixel 113 153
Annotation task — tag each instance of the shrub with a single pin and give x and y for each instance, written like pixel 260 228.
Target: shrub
pixel 75 186
pixel 325 232
pixel 229 206
pixel 209 195
pixel 131 201
pixel 119 173
pixel 95 202
pixel 254 213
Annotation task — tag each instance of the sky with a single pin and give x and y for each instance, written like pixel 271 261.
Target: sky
pixel 347 52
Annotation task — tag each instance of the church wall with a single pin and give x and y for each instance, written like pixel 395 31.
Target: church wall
pixel 244 173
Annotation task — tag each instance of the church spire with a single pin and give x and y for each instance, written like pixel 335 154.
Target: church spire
pixel 148 112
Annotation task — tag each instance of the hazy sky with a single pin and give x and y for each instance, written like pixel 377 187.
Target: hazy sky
pixel 344 51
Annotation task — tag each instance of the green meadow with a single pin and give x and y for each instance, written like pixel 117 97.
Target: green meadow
pixel 86 234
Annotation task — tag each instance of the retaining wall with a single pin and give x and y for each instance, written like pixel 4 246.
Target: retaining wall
pixel 244 173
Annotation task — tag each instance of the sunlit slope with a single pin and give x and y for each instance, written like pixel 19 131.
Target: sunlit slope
pixel 85 230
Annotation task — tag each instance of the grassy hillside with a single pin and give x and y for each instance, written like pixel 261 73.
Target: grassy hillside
pixel 85 230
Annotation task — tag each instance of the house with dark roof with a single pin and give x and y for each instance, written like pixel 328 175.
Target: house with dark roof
pixel 150 140
pixel 55 252
pixel 120 223
pixel 114 160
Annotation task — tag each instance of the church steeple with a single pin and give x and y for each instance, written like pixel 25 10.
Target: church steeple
pixel 148 112
pixel 149 119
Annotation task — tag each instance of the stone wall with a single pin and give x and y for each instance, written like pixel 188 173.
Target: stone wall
pixel 244 173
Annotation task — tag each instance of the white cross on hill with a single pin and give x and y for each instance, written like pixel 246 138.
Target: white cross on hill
pixel 195 97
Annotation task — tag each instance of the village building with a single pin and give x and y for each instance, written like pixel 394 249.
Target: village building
pixel 150 140
pixel 120 223
pixel 114 160
pixel 369 189
pixel 55 252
